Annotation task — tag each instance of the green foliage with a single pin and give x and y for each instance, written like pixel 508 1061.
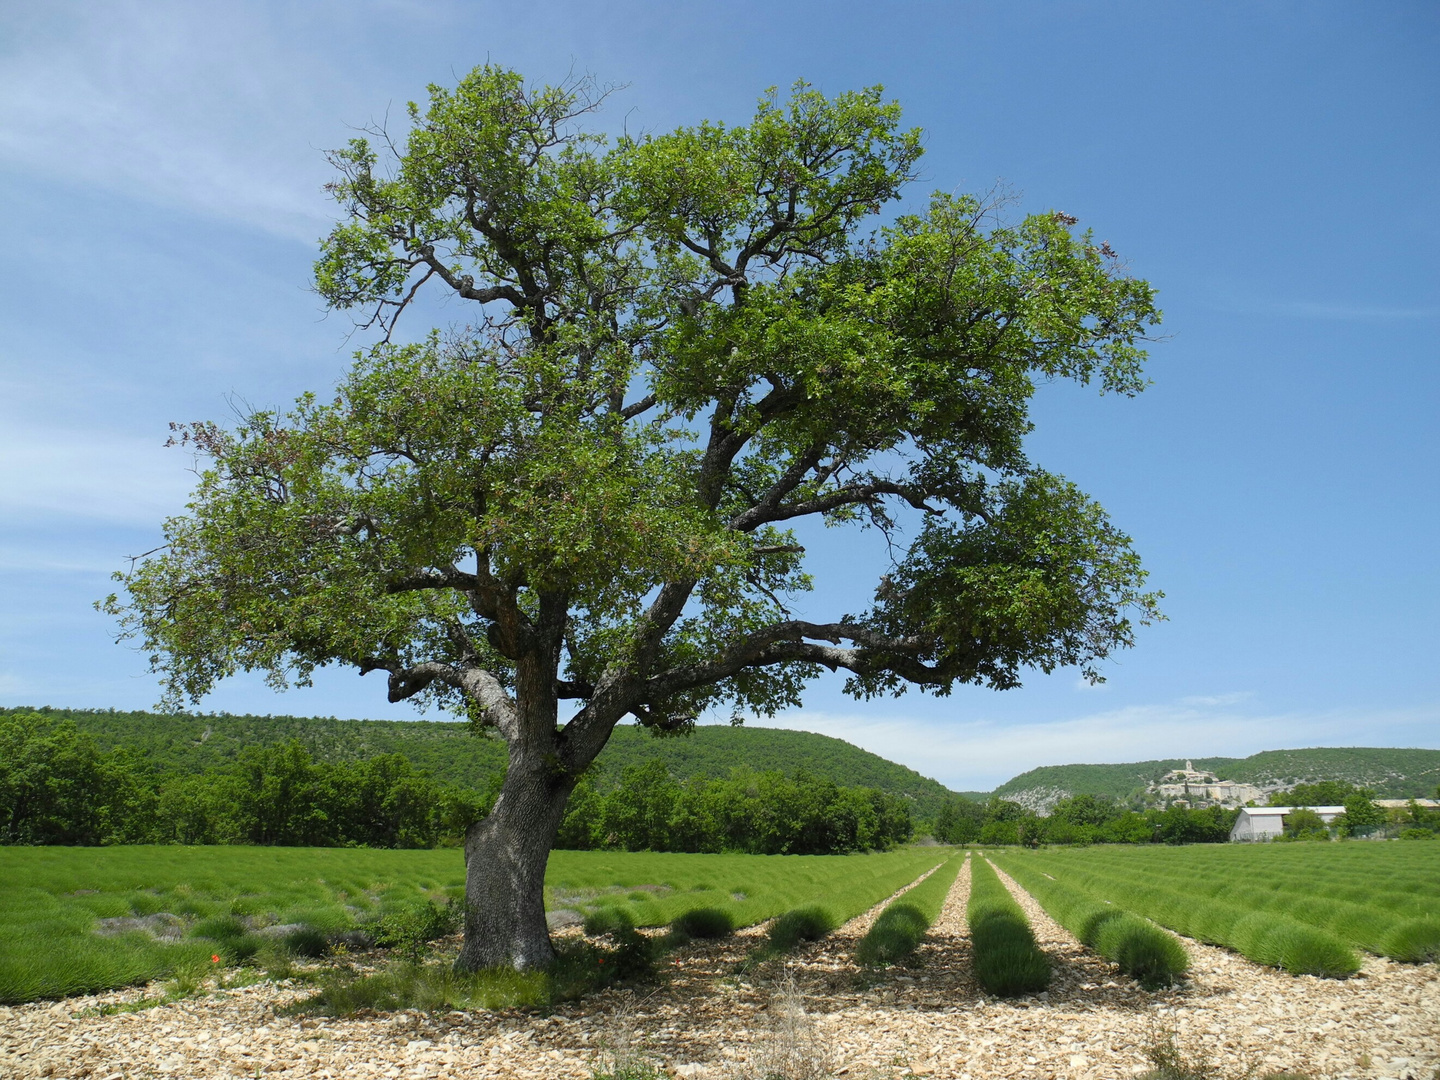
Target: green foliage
pixel 758 813
pixel 410 929
pixel 1320 793
pixel 1082 819
pixel 58 787
pixel 1305 824
pixel 64 790
pixel 959 821
pixel 187 744
pixel 1007 960
pixel 899 929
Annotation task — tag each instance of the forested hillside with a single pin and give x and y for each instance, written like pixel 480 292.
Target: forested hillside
pixel 452 755
pixel 1392 774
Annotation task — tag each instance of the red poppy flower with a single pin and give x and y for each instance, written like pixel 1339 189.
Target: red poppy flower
pixel 214 959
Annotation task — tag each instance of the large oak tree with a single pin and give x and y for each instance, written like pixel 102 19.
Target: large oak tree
pixel 675 347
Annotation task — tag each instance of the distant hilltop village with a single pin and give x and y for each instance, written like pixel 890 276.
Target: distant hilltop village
pixel 1196 788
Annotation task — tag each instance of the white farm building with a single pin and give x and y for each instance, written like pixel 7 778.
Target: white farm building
pixel 1268 822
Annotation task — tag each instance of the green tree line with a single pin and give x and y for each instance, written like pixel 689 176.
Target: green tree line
pixel 760 813
pixel 1083 819
pixel 1096 819
pixel 58 786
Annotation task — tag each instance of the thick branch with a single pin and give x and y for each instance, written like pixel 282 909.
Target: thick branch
pixel 787 641
pixel 849 495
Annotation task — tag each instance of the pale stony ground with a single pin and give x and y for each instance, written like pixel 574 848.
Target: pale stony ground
pixel 708 1022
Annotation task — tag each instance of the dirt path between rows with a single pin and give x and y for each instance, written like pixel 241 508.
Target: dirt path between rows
pixel 707 1021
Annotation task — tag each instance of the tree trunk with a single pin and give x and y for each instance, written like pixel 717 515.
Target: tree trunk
pixel 505 857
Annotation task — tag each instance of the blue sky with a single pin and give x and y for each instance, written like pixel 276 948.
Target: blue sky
pixel 1271 168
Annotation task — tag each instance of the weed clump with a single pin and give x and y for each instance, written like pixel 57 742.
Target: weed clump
pixel 607 920
pixel 1169 1060
pixel 789 1046
pixel 581 967
pixel 306 942
pixel 410 929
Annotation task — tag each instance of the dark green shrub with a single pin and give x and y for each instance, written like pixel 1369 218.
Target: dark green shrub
pixel 232 941
pixel 1006 959
pixel 1088 924
pixel 307 942
pixel 411 928
pixel 801 924
pixel 709 923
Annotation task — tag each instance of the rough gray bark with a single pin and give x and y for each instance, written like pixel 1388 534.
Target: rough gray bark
pixel 505 857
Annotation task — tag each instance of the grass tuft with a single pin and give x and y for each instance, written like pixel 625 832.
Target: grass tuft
pixel 1415 942
pixel 801 924
pixel 307 942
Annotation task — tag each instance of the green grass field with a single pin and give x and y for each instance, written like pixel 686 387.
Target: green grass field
pixel 52 898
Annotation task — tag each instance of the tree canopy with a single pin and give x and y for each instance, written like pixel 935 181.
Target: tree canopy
pixel 681 344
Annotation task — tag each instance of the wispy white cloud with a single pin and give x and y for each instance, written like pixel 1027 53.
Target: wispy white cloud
pixel 47 473
pixel 1219 699
pixel 977 755
pixel 148 99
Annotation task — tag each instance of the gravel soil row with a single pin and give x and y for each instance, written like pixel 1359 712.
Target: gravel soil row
pixel 815 1010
